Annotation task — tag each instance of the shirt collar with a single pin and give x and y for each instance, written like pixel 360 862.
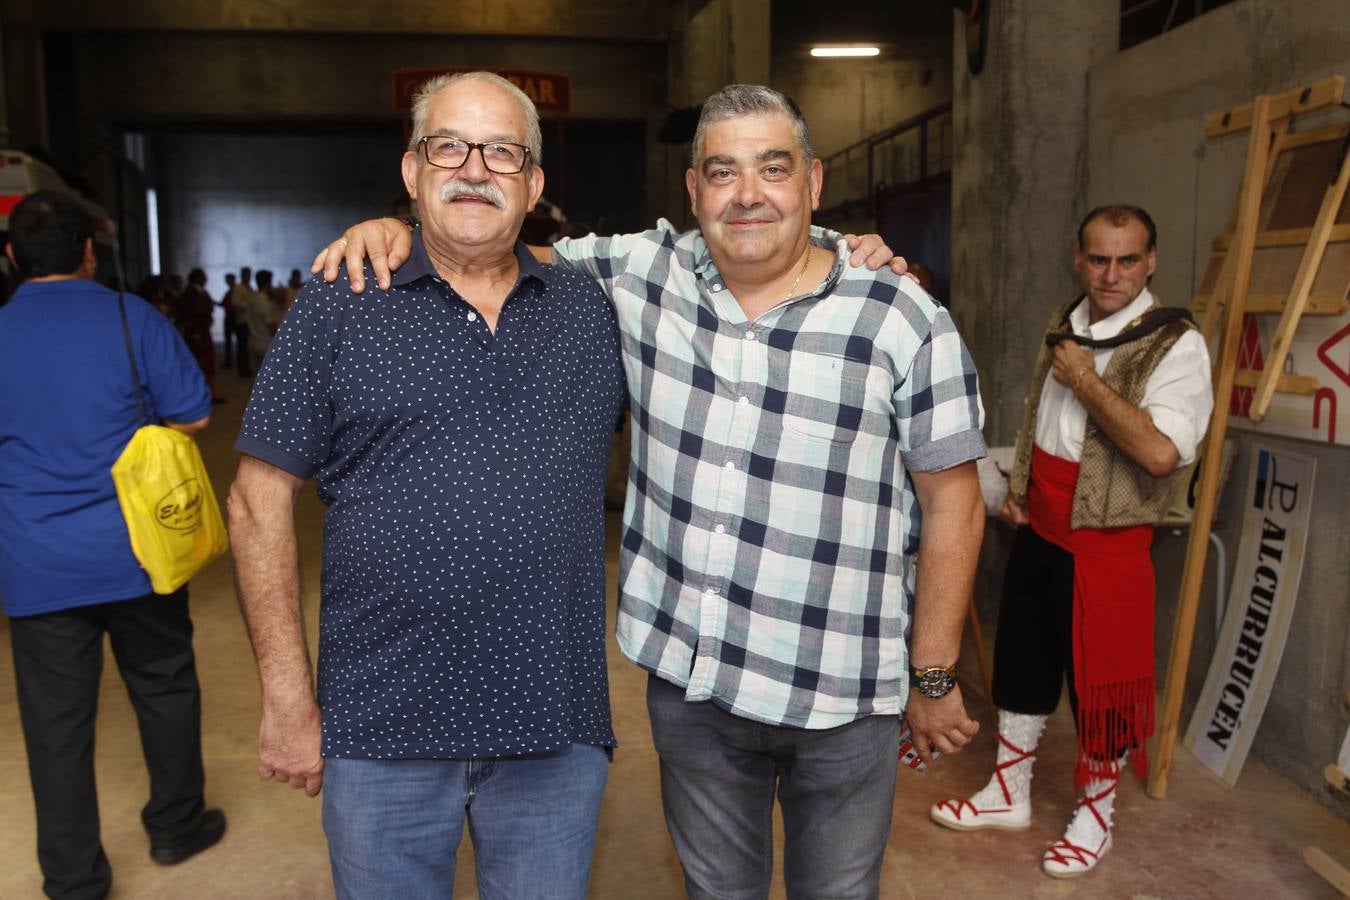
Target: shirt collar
pixel 419 264
pixel 1113 324
pixel 64 286
pixel 820 237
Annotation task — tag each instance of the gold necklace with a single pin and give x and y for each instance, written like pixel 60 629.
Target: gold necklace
pixel 798 280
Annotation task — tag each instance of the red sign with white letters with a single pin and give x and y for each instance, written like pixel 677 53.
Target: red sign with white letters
pixel 550 93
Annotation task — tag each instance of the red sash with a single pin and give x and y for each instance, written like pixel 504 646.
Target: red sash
pixel 1113 596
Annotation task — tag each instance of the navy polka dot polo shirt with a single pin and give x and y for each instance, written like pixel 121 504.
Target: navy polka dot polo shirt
pixel 463 565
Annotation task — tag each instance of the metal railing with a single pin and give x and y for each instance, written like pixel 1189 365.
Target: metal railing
pixel 906 155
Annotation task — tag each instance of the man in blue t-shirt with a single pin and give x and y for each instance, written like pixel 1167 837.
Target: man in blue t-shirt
pixel 67 573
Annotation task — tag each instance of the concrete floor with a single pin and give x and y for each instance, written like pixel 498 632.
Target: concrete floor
pixel 1205 840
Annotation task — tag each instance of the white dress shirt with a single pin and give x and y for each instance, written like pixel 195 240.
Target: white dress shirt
pixel 1178 395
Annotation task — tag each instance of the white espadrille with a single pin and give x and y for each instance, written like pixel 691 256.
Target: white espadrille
pixel 1005 802
pixel 1088 837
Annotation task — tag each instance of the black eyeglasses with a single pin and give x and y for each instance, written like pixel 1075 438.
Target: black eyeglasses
pixel 502 157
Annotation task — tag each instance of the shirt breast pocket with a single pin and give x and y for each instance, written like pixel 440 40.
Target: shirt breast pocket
pixel 825 398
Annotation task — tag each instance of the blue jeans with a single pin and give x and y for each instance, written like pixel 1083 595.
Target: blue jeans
pixel 719 774
pixel 393 826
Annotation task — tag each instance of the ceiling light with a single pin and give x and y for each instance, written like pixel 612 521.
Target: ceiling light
pixel 845 51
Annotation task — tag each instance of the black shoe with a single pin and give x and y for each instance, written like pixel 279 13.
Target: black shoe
pixel 208 834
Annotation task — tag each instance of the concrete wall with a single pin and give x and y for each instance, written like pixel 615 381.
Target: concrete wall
pixel 146 78
pixel 272 74
pixel 1146 146
pixel 846 100
pixel 266 201
pixel 288 83
pixel 1018 179
pixel 635 19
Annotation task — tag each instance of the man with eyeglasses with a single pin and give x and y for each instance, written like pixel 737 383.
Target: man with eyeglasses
pixel 458 429
pixel 804 433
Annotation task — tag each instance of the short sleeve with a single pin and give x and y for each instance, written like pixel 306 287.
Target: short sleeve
pixel 1179 397
pixel 289 418
pixel 937 404
pixel 169 373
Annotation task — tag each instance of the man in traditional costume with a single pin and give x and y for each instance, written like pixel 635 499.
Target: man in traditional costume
pixel 1103 444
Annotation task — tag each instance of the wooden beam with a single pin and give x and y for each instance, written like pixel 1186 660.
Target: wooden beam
pixel 1337 778
pixel 1317 136
pixel 1333 872
pixel 1318 304
pixel 1287 237
pixel 1302 287
pixel 1327 92
pixel 1211 458
pixel 1302 385
pixel 1209 325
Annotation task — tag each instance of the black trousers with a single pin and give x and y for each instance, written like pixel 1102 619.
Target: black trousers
pixel 58 661
pixel 1033 647
pixel 243 365
pixel 230 339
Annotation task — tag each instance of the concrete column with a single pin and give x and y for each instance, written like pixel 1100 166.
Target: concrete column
pixel 23 96
pixel 725 42
pixel 713 43
pixel 4 90
pixel 1019 178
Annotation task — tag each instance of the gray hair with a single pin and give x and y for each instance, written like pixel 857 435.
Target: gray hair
pixel 432 87
pixel 737 100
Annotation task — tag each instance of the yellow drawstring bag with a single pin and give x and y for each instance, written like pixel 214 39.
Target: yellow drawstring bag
pixel 166 497
pixel 170 506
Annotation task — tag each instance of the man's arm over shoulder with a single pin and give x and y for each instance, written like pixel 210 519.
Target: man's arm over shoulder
pixel 604 258
pixel 267 576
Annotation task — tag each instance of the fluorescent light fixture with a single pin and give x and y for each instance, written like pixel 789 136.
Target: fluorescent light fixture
pixel 845 51
pixel 152 224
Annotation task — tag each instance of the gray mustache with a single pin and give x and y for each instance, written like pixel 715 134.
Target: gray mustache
pixel 483 191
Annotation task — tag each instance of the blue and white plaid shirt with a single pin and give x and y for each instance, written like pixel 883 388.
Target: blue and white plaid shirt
pixel 771 522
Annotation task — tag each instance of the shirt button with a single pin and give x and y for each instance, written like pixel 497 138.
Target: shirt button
pixel 716 288
pixel 729 466
pixel 721 529
pixel 744 401
pixel 710 593
pixel 749 335
pixel 473 317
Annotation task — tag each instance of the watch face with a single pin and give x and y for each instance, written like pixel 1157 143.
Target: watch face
pixel 936 683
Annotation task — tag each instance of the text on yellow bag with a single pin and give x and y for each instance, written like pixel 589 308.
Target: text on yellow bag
pixel 170 508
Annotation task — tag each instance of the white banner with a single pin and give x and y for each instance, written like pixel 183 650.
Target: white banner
pixel 1260 607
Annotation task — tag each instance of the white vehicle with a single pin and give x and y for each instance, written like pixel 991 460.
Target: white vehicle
pixel 21 175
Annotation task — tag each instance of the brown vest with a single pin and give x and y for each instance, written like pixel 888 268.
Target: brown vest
pixel 1113 490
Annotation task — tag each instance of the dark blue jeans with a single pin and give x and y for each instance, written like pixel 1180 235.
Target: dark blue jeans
pixel 719 775
pixel 58 661
pixel 393 826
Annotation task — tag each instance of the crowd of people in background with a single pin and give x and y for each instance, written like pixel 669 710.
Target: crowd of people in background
pixel 253 306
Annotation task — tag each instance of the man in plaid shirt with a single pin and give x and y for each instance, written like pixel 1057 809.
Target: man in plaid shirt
pixel 803 504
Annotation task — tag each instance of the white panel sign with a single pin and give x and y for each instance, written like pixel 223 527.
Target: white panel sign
pixel 1265 586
